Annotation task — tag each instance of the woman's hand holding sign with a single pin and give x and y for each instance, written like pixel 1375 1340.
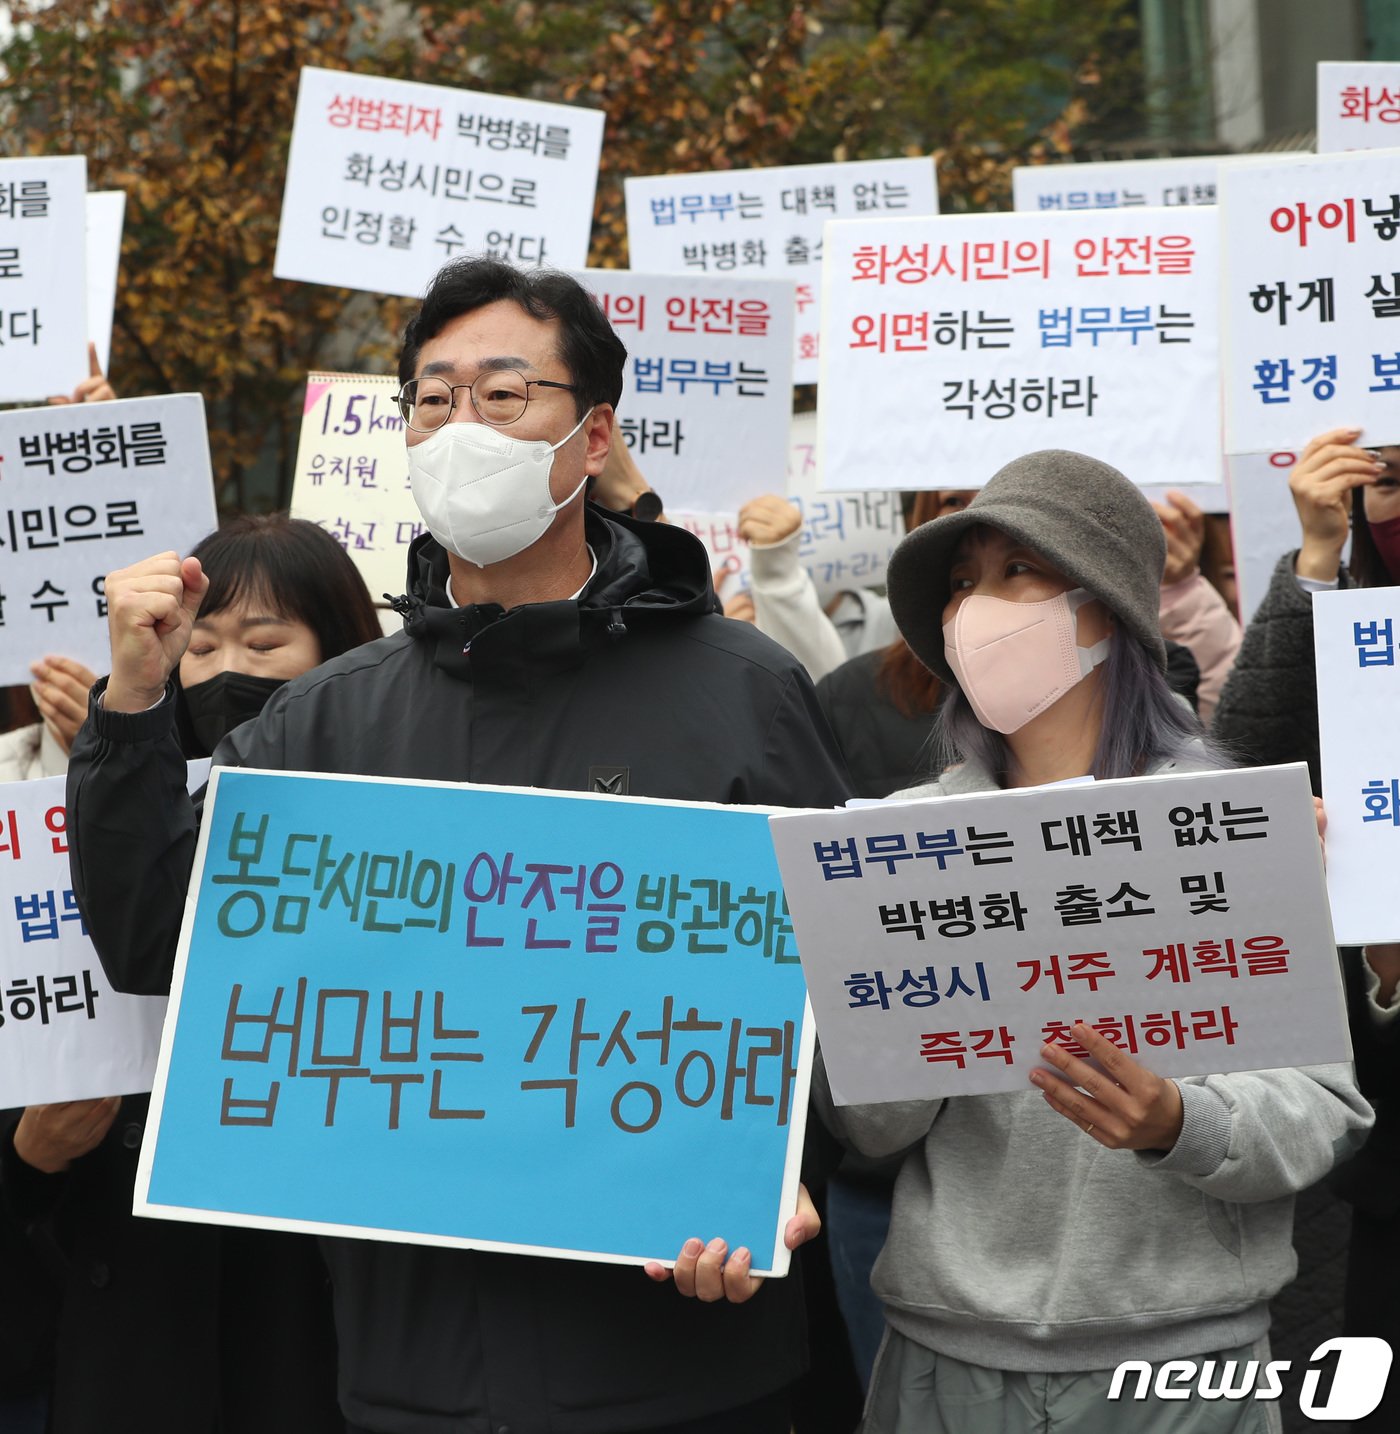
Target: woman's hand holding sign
pixel 1123 1105
pixel 702 1271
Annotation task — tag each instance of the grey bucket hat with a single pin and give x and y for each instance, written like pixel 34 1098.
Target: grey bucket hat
pixel 1080 514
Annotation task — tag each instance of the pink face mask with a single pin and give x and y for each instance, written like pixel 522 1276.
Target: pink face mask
pixel 1015 659
pixel 1386 536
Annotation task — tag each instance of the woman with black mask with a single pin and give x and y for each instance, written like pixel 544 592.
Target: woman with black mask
pixel 283 598
pixel 188 1328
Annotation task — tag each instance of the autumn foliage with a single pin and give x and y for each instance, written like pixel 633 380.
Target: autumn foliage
pixel 187 106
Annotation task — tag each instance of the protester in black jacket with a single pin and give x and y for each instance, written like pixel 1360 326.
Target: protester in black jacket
pixel 571 649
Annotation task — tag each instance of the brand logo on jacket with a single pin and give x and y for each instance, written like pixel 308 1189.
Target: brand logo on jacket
pixel 1358 1379
pixel 612 781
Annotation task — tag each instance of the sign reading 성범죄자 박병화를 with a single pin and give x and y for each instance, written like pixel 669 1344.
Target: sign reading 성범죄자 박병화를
pixel 389 179
pixel 422 1010
pixel 967 341
pixel 1184 917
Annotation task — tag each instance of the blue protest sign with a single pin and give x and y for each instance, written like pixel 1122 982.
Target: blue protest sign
pixel 486 1017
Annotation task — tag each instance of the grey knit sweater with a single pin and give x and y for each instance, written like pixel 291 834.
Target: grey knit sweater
pixel 1268 710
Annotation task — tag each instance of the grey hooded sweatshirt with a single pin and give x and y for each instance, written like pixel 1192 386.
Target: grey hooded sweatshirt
pixel 1017 1242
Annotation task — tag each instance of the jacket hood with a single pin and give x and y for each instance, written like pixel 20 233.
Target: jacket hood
pixel 645 570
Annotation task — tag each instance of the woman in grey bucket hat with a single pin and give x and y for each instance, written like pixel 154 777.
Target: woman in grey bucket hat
pixel 1094 534
pixel 1102 1216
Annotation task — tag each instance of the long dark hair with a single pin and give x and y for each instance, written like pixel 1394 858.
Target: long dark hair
pixel 909 685
pixel 1366 566
pixel 298 570
pixel 1144 725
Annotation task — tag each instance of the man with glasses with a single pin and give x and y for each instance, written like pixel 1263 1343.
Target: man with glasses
pixel 546 643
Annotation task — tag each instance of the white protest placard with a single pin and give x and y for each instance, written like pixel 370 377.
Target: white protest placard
pixel 1208 497
pixel 748 223
pixel 1184 917
pixel 707 393
pixel 67 1035
pixel 847 538
pixel 389 179
pixel 1115 184
pixel 43 313
pixel 106 209
pixel 1263 522
pixel 1358 105
pixel 351 474
pixel 1311 293
pixel 956 344
pixel 88 488
pixel 1358 698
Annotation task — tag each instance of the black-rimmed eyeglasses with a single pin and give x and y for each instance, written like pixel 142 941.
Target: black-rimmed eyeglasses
pixel 499 397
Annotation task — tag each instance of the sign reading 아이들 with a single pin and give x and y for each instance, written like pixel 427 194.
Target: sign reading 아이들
pixel 961 343
pixel 707 391
pixel 389 179
pixel 493 995
pixel 43 314
pixel 1115 184
pixel 89 488
pixel 754 223
pixel 65 1034
pixel 1358 105
pixel 1311 293
pixel 1358 696
pixel 1184 917
pixel 352 477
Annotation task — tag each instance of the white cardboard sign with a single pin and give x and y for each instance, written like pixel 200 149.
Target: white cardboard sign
pixel 88 488
pixel 1183 916
pixel 106 209
pixel 752 223
pixel 1358 105
pixel 389 179
pixel 847 538
pixel 1115 184
pixel 67 1035
pixel 351 474
pixel 1263 522
pixel 705 409
pixel 1358 696
pixel 707 392
pixel 43 315
pixel 1311 297
pixel 963 342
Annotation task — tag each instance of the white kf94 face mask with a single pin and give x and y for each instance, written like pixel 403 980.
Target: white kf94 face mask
pixel 1015 659
pixel 483 494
